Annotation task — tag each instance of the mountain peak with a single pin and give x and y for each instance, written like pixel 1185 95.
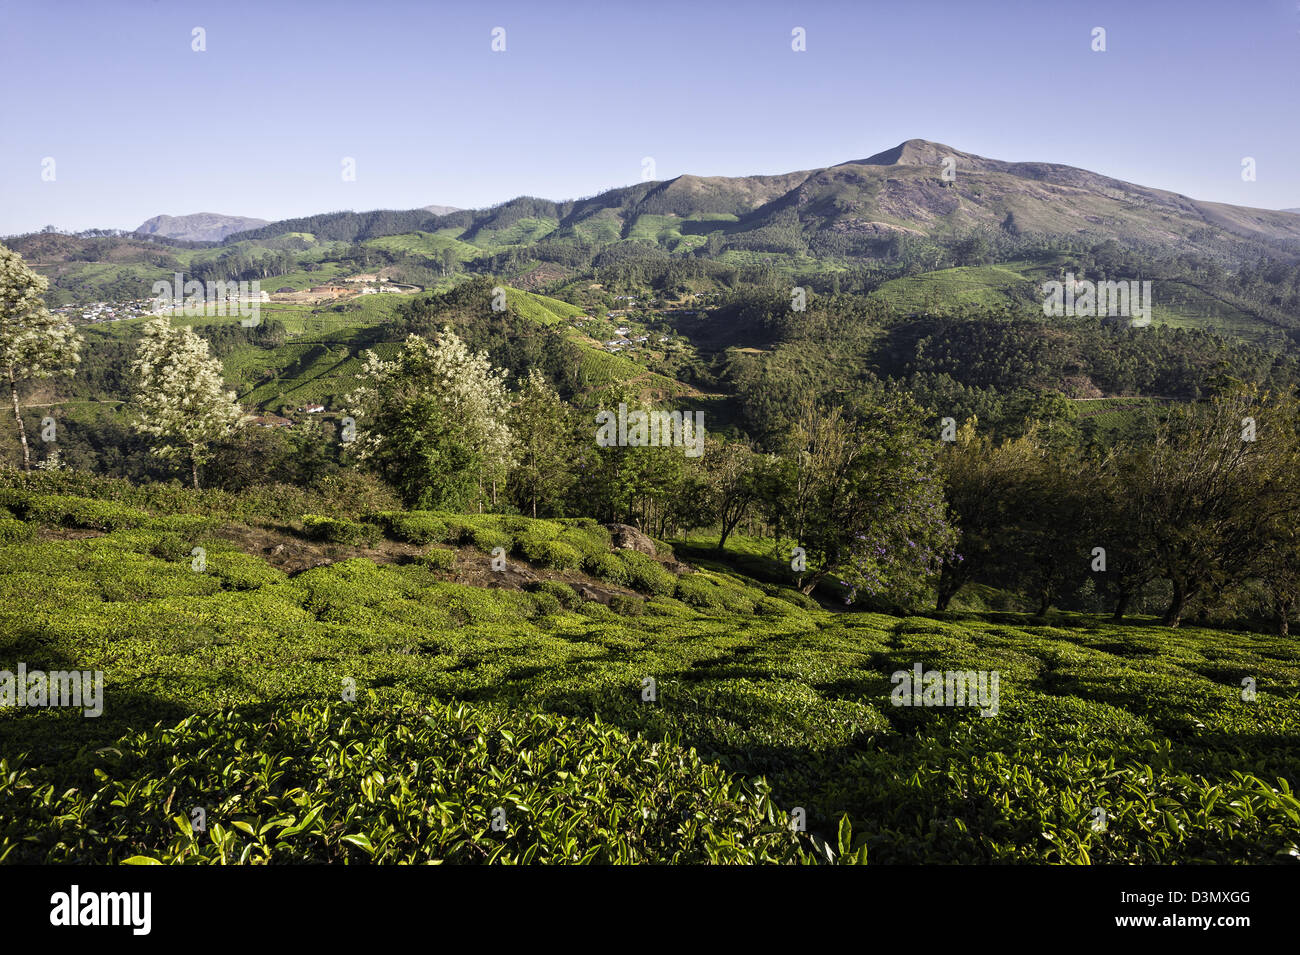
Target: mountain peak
pixel 914 152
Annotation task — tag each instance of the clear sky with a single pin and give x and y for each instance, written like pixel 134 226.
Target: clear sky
pixel 258 124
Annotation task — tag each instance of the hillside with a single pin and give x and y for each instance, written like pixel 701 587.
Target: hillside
pixel 763 702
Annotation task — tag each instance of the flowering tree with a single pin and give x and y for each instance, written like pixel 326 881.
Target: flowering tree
pixel 180 396
pixel 434 422
pixel 33 343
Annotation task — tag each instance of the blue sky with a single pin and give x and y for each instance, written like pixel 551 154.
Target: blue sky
pixel 139 124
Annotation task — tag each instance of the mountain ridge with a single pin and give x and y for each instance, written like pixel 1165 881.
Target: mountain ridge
pixel 907 188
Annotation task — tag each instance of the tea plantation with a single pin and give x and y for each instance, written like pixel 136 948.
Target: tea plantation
pixel 399 703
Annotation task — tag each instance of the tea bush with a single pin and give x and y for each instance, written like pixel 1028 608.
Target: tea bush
pixel 339 531
pixel 647 574
pixel 607 567
pixel 550 553
pixel 436 558
pixel 1148 725
pixel 629 605
pixel 562 592
pixel 58 510
pixel 13 532
pixel 333 783
pixel 487 540
pixel 413 527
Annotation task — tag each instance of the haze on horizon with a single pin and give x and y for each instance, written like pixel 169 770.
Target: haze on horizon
pixel 259 123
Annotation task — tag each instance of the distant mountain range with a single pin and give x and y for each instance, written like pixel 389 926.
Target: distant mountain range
pixel 199 227
pixel 892 205
pixel 918 187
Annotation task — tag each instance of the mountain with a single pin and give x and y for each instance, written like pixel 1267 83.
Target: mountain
pixel 845 210
pixel 918 205
pixel 441 210
pixel 199 227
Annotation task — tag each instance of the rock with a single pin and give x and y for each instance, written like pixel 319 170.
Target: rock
pixel 626 537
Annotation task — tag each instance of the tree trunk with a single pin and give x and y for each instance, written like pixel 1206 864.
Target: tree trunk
pixel 1283 619
pixel 1044 604
pixel 194 470
pixel 947 588
pixel 1177 604
pixel 18 416
pixel 1121 605
pixel 811 584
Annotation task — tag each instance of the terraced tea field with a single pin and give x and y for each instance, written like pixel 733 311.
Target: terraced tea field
pixel 396 697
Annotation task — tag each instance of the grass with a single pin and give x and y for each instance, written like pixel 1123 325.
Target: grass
pixel 216 680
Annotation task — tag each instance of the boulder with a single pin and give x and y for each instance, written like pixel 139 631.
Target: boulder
pixel 626 537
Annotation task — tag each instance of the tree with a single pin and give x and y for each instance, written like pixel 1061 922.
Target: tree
pixel 180 395
pixel 33 343
pixel 544 431
pixel 1131 560
pixel 862 498
pixel 730 486
pixel 434 422
pixel 1276 563
pixel 978 479
pixel 1052 528
pixel 1215 491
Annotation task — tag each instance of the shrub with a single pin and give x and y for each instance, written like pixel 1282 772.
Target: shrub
pixel 698 593
pixel 771 607
pixel 190 526
pixel 545 603
pixel 336 530
pixel 239 571
pixel 486 539
pixel 14 532
pixel 436 558
pixel 647 574
pixel 395 785
pixel 628 605
pixel 60 510
pixel 171 547
pixel 413 527
pixel 608 568
pixel 356 492
pixel 553 554
pixel 562 592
